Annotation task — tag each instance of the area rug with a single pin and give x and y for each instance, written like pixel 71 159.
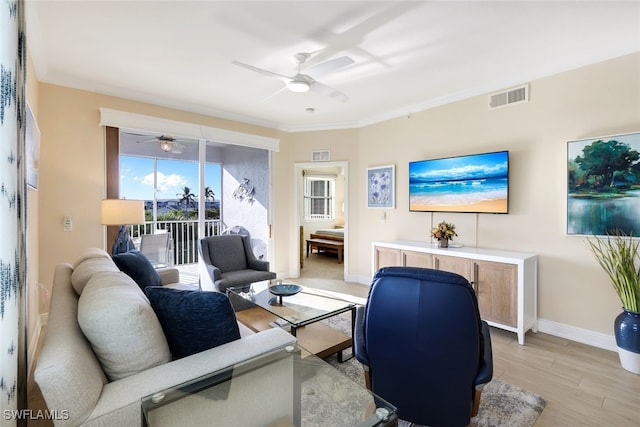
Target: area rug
pixel 501 405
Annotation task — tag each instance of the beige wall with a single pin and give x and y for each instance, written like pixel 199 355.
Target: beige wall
pixel 597 100
pixel 72 173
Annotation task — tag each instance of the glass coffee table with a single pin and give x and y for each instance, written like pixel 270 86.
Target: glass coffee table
pixel 277 389
pixel 300 313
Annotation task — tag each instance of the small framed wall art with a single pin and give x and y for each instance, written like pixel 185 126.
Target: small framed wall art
pixel 381 187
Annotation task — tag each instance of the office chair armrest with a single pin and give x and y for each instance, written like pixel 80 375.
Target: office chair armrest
pixel 485 370
pixel 359 349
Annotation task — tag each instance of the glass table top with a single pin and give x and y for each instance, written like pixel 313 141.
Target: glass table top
pixel 302 308
pixel 282 388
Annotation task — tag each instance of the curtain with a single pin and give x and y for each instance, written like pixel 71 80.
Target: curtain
pixel 13 192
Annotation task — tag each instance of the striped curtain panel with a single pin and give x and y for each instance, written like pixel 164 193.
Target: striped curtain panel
pixel 12 213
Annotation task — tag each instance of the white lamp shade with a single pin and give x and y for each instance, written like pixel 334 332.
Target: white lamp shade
pixel 122 212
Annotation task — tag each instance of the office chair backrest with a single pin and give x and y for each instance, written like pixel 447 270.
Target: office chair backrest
pixel 422 334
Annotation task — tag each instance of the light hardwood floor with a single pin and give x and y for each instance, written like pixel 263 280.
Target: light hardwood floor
pixel 583 385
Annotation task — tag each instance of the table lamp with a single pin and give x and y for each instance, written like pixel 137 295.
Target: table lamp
pixel 122 212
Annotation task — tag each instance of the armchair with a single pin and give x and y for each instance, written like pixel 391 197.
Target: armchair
pixel 423 345
pixel 230 262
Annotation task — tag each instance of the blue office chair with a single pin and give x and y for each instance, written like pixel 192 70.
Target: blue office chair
pixel 423 345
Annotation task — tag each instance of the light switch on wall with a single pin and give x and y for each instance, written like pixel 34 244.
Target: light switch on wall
pixel 68 224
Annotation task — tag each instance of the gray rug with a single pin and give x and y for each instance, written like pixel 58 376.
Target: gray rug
pixel 501 404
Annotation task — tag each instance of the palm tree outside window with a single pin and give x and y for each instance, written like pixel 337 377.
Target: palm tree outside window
pixel 319 198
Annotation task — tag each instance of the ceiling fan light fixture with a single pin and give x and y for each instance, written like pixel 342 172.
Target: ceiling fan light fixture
pixel 299 86
pixel 166 145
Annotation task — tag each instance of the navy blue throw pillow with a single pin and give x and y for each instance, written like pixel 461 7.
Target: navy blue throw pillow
pixel 137 266
pixel 193 321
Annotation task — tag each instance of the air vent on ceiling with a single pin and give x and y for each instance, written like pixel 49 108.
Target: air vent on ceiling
pixel 509 97
pixel 320 156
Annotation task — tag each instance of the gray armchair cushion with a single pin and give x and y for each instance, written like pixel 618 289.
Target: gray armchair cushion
pixel 227 253
pixel 230 261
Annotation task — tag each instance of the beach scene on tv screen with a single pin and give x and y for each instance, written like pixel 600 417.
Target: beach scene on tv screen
pixel 475 183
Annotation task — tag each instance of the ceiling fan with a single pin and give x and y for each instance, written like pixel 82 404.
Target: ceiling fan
pixel 167 143
pixel 305 82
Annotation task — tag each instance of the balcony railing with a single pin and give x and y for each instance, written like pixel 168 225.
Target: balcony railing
pixel 184 234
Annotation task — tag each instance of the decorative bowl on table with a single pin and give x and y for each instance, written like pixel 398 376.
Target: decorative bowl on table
pixel 285 289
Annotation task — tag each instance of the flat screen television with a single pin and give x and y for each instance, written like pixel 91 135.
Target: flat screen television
pixel 477 183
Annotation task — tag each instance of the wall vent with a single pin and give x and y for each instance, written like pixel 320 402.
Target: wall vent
pixel 320 156
pixel 509 97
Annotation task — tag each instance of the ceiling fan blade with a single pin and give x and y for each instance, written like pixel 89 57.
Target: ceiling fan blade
pixel 279 91
pixel 326 67
pixel 261 71
pixel 134 134
pixel 147 140
pixel 329 91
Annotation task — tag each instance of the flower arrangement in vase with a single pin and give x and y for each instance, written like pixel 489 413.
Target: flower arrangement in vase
pixel 443 232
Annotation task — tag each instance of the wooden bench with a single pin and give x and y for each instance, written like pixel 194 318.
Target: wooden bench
pixel 326 245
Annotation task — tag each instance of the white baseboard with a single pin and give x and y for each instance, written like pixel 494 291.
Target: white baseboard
pixel 573 333
pixel 363 280
pixel 584 336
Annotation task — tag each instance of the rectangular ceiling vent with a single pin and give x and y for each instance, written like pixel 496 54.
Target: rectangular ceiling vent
pixel 320 156
pixel 509 97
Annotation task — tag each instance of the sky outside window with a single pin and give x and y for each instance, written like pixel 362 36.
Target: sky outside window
pixel 136 178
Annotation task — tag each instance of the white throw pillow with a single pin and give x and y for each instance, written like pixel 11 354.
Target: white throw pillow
pixel 124 332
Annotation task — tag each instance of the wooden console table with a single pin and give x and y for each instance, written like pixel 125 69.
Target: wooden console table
pixel 327 245
pixel 505 282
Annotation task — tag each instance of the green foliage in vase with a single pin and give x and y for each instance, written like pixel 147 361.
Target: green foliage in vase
pixel 619 256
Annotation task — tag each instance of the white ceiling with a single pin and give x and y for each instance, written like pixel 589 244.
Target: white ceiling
pixel 408 55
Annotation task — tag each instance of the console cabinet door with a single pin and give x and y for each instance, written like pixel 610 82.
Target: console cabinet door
pixel 387 257
pixel 496 287
pixel 417 259
pixel 461 266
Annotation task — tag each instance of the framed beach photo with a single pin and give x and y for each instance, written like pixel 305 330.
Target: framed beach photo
pixel 381 190
pixel 603 185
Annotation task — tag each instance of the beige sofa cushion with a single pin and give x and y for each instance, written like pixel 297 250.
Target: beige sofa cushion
pixel 86 267
pixel 90 253
pixel 117 319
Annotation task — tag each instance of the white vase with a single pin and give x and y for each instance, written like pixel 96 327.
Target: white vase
pixel 629 360
pixel 627 333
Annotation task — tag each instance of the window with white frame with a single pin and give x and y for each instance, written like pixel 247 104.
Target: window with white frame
pixel 319 197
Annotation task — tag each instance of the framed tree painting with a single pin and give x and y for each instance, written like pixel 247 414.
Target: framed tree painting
pixel 381 187
pixel 603 185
